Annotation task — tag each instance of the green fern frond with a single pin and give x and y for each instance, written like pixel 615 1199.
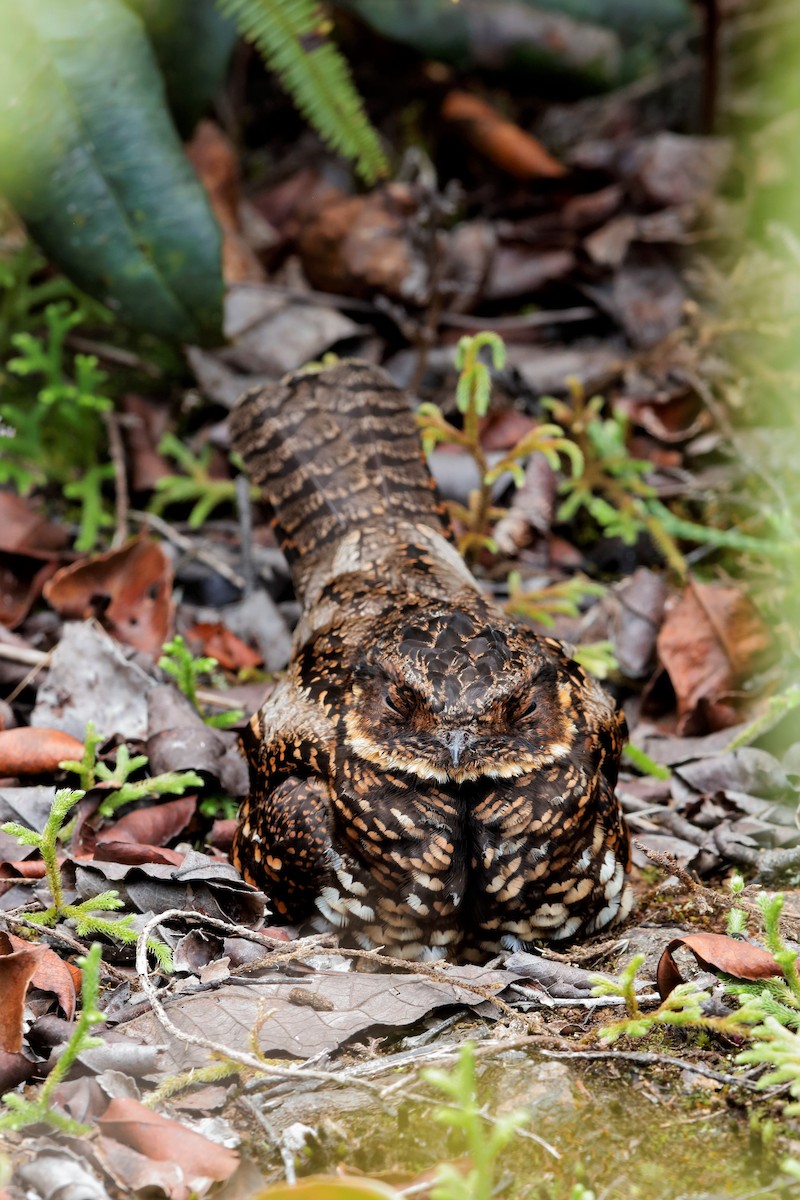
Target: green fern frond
pixel 290 36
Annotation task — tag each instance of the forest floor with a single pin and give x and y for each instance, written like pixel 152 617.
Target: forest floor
pixel 610 243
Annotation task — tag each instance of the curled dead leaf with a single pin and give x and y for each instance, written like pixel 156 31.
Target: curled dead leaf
pixel 216 639
pixel 499 140
pixel 17 969
pixel 715 952
pixel 711 640
pixel 128 590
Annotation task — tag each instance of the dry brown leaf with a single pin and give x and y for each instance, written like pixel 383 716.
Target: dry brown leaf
pixel 499 140
pixel 129 1122
pixel 710 641
pixel 128 590
pixel 216 162
pixel 52 973
pixel 216 639
pixel 152 826
pixel 716 952
pixel 36 751
pixel 17 969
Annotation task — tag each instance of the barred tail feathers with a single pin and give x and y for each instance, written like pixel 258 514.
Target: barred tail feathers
pixel 335 450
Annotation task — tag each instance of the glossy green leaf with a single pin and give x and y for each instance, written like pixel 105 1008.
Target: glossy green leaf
pixel 91 161
pixel 192 42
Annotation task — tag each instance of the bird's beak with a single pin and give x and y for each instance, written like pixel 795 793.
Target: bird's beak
pixel 456 742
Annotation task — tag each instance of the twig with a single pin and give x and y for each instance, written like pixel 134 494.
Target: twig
pixel 73 943
pixel 189 547
pixel 721 903
pixel 647 1058
pixel 251 1062
pixel 27 656
pixel 113 354
pixel 534 320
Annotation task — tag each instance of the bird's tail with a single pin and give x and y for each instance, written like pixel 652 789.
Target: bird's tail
pixel 335 450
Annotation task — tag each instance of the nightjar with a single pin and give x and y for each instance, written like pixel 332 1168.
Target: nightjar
pixel 429 777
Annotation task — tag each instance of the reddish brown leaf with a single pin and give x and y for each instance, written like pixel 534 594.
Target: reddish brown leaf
pixel 716 952
pixel 146 421
pixel 360 245
pixel 214 638
pixel 128 590
pixel 23 529
pixel 217 164
pixel 52 973
pixel 158 1137
pixel 154 825
pixel 710 641
pixel 17 969
pixel 222 832
pixel 35 751
pixel 21 581
pixel 136 854
pixel 499 140
pixel 137 1174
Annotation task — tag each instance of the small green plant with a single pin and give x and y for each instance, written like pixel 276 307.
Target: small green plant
pixel 484 1143
pixel 55 435
pixel 82 916
pixel 624 986
pixel 23 1112
pixel 196 487
pixel 543 605
pixel 292 37
pixel 644 763
pixel 122 789
pixel 186 669
pixel 473 393
pixel 611 487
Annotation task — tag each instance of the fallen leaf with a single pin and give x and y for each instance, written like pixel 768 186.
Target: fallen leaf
pixel 716 952
pixel 146 421
pixel 217 640
pixel 29 751
pixel 52 1172
pixel 90 679
pixel 24 530
pixel 21 581
pixel 216 162
pixel 17 969
pixel 138 1174
pixel 330 1008
pixel 53 974
pixel 501 141
pixel 14 1069
pixel 129 591
pixel 153 826
pixel 363 245
pixel 710 641
pixel 129 1122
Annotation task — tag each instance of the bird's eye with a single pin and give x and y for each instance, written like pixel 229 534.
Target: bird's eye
pixel 399 702
pixel 527 710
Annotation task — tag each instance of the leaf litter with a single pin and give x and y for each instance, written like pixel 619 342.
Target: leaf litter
pixel 571 247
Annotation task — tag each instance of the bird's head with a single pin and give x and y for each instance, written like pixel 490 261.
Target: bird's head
pixel 453 698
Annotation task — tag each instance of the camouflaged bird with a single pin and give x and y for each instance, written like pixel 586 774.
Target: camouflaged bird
pixel 428 777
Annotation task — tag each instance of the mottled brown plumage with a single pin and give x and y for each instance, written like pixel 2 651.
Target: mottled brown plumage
pixel 428 777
